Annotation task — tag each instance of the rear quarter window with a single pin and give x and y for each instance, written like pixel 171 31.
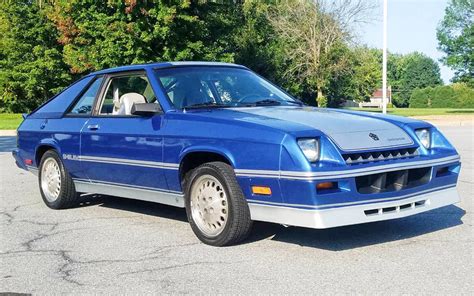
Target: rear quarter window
pixel 61 102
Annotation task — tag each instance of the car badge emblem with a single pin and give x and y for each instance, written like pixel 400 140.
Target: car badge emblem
pixel 374 137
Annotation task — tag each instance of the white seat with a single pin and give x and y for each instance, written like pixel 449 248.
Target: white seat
pixel 126 102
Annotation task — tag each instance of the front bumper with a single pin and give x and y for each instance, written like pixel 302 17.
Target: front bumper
pixel 296 201
pixel 355 214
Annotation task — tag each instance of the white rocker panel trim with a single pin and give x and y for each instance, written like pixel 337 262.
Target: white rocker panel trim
pixel 146 194
pixel 334 217
pixel 32 170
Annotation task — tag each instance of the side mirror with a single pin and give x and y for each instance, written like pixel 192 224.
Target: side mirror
pixel 146 109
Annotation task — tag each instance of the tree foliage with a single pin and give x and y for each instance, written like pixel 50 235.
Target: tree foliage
pixel 417 71
pixel 101 34
pixel 314 35
pixel 31 64
pixel 456 39
pixel 405 73
pixel 305 46
pixel 359 81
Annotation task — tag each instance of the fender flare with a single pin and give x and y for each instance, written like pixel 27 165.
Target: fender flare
pixel 49 143
pixel 217 150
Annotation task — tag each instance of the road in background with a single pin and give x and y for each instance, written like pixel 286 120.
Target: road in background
pixel 111 245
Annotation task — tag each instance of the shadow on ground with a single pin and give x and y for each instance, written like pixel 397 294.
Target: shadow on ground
pixel 136 206
pixel 356 236
pixel 7 144
pixel 334 239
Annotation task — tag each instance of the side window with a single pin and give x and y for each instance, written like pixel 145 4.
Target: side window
pixel 122 92
pixel 85 102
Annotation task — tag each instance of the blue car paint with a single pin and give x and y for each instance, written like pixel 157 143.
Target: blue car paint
pixel 248 140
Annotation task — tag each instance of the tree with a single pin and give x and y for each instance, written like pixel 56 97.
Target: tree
pixel 255 41
pixel 361 79
pixel 313 34
pixel 456 39
pixel 101 34
pixel 417 71
pixel 407 72
pixel 31 66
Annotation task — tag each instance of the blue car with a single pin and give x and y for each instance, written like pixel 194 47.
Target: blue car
pixel 231 148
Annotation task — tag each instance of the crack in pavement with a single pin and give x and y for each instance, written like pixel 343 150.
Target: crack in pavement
pixel 64 269
pixel 67 269
pixel 176 266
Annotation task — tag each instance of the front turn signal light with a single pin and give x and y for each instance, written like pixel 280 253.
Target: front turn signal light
pixel 325 185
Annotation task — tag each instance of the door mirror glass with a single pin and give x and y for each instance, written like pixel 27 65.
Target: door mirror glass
pixel 146 109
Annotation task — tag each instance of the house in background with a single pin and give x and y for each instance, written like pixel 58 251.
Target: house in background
pixel 375 101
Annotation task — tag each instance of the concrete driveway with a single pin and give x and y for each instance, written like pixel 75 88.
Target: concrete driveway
pixel 111 245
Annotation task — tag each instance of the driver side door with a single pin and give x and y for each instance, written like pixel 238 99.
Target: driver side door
pixel 122 154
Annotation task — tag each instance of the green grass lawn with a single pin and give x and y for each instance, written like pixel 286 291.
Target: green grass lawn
pixel 419 111
pixel 10 121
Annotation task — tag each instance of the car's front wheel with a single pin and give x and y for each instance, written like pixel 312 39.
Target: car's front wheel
pixel 56 185
pixel 215 205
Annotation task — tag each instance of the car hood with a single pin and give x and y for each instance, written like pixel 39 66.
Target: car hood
pixel 348 131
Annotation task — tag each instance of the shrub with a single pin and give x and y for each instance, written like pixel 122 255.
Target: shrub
pixel 457 95
pixel 420 98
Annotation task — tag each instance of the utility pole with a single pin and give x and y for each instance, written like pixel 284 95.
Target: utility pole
pixel 384 59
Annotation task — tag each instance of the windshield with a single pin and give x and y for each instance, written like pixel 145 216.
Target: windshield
pixel 195 87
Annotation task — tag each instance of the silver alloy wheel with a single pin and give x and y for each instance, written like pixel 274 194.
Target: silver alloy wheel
pixel 51 179
pixel 209 205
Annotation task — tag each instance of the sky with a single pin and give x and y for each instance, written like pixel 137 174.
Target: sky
pixel 411 27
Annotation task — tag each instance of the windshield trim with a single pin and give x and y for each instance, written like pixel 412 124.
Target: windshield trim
pixel 293 102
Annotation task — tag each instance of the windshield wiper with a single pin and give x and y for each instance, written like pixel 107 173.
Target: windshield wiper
pixel 271 102
pixel 266 102
pixel 296 102
pixel 205 105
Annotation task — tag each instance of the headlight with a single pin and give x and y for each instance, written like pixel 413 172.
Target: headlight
pixel 424 136
pixel 310 148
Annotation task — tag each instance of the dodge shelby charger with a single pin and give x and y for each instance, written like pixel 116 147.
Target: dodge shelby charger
pixel 231 148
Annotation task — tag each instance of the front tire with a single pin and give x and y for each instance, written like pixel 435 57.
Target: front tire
pixel 215 205
pixel 56 185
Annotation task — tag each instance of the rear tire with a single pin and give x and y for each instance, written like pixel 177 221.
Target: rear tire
pixel 215 205
pixel 56 185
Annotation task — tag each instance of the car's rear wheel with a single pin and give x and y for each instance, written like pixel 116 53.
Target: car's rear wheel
pixel 215 205
pixel 56 185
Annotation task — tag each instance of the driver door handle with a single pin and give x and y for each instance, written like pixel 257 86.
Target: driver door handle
pixel 93 127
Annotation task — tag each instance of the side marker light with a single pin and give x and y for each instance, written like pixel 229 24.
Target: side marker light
pixel 261 190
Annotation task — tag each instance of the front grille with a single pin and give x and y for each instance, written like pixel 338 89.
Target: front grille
pixel 392 181
pixel 356 158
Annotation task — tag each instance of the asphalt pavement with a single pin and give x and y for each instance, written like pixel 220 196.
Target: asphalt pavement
pixel 110 245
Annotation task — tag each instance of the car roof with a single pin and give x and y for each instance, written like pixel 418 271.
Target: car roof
pixel 161 65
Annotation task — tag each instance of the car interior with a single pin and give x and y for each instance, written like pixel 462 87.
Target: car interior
pixel 122 92
pixel 188 89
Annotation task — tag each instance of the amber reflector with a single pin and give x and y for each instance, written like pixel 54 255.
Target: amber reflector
pixel 325 185
pixel 263 190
